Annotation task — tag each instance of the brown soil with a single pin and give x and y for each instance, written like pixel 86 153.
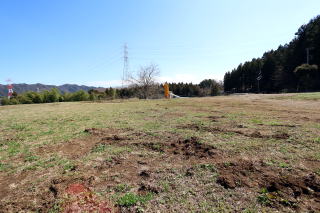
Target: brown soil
pixel 240 130
pixel 293 189
pixel 192 148
pixel 283 187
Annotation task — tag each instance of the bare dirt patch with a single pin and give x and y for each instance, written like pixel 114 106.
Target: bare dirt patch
pixel 281 187
pixel 192 148
pixel 240 130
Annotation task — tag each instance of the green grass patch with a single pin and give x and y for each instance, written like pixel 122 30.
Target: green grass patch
pixel 13 148
pixel 19 127
pixel 208 167
pixel 256 121
pixel 273 123
pixel 264 197
pixel 122 187
pixel 301 96
pixel 317 140
pixel 284 165
pixel 131 199
pixel 52 161
pixel 99 148
pixel 4 167
pixel 31 158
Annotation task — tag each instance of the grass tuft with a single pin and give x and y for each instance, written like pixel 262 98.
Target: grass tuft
pixel 130 199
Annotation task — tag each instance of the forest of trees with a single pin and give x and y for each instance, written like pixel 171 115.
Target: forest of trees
pixel 286 69
pixel 207 87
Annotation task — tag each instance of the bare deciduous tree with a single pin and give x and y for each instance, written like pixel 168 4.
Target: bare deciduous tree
pixel 145 80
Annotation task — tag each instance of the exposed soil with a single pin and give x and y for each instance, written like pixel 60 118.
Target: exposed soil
pixel 89 185
pixel 282 187
pixel 192 148
pixel 240 130
pixel 215 118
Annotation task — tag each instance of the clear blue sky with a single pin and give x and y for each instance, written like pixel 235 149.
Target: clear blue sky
pixel 80 41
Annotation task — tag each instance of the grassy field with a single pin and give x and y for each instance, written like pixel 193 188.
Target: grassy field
pixel 315 96
pixel 251 153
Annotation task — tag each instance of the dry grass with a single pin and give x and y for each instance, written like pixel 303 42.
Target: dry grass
pixel 223 154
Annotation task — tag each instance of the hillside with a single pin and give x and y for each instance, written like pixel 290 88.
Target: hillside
pixel 283 69
pixel 20 88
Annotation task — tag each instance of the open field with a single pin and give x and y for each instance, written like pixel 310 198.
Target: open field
pixel 315 96
pixel 251 153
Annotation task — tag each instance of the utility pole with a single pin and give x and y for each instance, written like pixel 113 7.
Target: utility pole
pixel 125 65
pixel 259 78
pixel 242 79
pixel 308 54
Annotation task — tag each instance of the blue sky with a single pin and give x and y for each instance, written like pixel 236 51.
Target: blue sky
pixel 81 41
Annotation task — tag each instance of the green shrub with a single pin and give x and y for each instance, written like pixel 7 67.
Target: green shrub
pixel 54 95
pixel 49 97
pixel 5 101
pixel 45 96
pixel 67 96
pixel 14 101
pixel 92 97
pixel 80 96
pixel 34 97
pixel 24 99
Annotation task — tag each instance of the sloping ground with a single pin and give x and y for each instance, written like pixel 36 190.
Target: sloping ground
pixel 221 155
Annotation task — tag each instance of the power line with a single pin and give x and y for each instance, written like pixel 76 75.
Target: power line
pixel 104 62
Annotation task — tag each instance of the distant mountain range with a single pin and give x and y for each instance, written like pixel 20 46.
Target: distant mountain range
pixel 21 88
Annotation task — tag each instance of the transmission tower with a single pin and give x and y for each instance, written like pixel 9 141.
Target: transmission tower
pixel 125 65
pixel 10 88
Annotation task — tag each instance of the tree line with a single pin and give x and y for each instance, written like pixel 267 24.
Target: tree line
pixel 293 67
pixel 46 96
pixel 207 87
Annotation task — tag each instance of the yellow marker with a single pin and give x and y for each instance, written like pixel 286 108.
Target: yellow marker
pixel 166 90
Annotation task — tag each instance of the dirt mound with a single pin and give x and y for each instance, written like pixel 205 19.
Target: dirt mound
pixel 192 148
pixel 75 195
pixel 236 174
pixel 107 132
pixel 147 187
pixel 94 131
pixel 280 187
pixel 114 138
pixel 251 134
pixel 79 198
pixel 280 135
pixel 215 118
pixel 158 147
